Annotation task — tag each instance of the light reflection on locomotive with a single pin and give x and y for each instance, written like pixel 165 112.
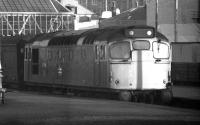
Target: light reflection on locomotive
pixel 134 62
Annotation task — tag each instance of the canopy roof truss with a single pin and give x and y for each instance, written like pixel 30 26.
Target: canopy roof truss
pixel 14 23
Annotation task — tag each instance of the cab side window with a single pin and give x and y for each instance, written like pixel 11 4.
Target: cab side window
pixel 102 52
pixel 35 61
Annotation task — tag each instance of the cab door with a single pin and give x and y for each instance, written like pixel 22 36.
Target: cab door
pixel 27 63
pixel 155 66
pixel 101 66
pixel 162 57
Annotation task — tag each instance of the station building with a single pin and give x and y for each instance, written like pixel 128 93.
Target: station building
pixel 186 15
pixel 98 6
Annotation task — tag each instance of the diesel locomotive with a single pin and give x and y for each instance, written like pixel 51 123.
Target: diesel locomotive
pixel 134 62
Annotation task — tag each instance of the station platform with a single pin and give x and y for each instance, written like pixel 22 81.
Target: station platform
pixel 186 92
pixel 186 97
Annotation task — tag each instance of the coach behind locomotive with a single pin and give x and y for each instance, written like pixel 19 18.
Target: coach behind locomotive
pixel 2 90
pixel 133 61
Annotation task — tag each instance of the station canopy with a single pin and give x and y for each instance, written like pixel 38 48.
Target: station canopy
pixel 31 6
pixel 33 17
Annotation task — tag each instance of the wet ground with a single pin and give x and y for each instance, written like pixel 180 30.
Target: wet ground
pixel 31 108
pixel 186 97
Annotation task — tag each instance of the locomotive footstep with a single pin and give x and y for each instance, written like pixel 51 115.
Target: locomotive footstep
pixel 166 96
pixel 125 96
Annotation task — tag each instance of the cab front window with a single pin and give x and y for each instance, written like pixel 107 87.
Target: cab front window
pixel 141 45
pixel 120 50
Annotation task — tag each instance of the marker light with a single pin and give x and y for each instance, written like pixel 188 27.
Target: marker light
pixel 140 32
pixel 149 33
pixel 131 33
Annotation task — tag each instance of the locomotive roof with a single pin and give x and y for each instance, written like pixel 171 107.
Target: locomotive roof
pixel 88 36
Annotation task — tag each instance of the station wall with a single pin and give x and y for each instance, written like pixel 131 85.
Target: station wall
pixel 186 63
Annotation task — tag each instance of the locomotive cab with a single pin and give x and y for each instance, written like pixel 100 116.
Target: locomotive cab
pixel 141 63
pixel 141 57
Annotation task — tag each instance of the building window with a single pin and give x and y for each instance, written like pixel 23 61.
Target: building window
pixel 114 4
pixel 130 4
pixel 140 3
pixel 198 13
pixel 82 2
pixel 94 2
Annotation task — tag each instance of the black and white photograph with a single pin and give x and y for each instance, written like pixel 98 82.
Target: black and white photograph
pixel 99 62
